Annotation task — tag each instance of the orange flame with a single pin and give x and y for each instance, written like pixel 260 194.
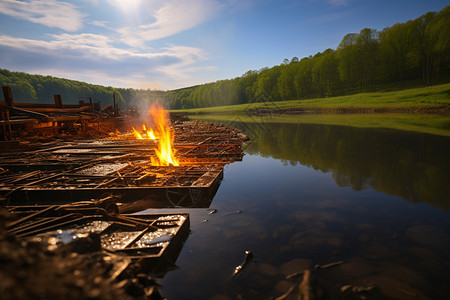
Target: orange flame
pixel 165 151
pixel 137 134
pixel 150 135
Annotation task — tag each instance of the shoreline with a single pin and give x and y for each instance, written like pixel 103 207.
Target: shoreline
pixel 440 110
pixel 431 110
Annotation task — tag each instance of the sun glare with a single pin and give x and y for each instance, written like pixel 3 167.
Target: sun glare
pixel 126 5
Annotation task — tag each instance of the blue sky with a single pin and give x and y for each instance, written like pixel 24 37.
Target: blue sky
pixel 168 44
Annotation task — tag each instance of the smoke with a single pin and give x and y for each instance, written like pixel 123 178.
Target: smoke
pixel 140 105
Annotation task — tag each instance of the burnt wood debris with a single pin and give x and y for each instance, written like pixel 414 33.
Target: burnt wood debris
pixel 72 174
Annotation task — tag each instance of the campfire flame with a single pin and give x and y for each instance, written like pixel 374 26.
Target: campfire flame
pixel 150 135
pixel 162 132
pixel 137 134
pixel 165 151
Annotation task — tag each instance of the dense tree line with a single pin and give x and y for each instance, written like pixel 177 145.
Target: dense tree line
pixel 40 89
pixel 406 54
pixel 36 88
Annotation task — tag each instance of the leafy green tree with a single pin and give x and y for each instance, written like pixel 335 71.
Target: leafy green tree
pixel 395 46
pixel 439 32
pixel 303 78
pixel 359 59
pixel 347 51
pixel 286 87
pixel 23 91
pixel 249 81
pixel 424 52
pixel 325 75
pixel 264 88
pixel 367 57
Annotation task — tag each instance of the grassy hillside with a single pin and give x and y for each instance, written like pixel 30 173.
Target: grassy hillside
pixel 424 99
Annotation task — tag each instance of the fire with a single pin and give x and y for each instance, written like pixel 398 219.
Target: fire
pixel 162 132
pixel 165 151
pixel 150 135
pixel 137 134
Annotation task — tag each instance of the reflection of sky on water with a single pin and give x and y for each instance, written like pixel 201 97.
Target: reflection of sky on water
pixel 271 183
pixel 293 217
pixel 271 173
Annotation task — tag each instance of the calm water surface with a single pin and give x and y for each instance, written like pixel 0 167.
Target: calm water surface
pixel 376 199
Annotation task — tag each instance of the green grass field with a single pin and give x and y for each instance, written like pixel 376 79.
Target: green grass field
pixel 425 97
pixel 428 97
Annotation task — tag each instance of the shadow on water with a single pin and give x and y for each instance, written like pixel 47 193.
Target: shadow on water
pixel 414 166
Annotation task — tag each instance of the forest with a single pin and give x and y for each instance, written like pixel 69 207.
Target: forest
pixel 411 54
pixel 37 88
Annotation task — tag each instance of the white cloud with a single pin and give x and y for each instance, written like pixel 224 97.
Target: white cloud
pixel 186 56
pixel 85 45
pixel 172 17
pixel 103 24
pixel 104 78
pixel 50 13
pixel 82 40
pixel 95 56
pixel 103 57
pixel 189 55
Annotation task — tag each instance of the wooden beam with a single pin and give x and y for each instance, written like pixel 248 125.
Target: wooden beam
pixel 58 101
pixel 7 93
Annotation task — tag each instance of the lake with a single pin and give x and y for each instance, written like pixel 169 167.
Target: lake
pixel 374 201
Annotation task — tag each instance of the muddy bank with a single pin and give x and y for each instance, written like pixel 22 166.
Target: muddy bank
pixel 38 268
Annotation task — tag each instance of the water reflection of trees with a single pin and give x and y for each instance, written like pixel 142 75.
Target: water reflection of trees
pixel 413 166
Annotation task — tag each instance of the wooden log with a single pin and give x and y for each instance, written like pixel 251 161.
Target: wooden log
pixel 106 108
pixel 106 182
pixel 58 101
pixel 18 122
pixel 7 93
pixel 6 124
pixel 54 110
pixel 28 175
pixel 70 118
pixel 29 112
pixel 116 108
